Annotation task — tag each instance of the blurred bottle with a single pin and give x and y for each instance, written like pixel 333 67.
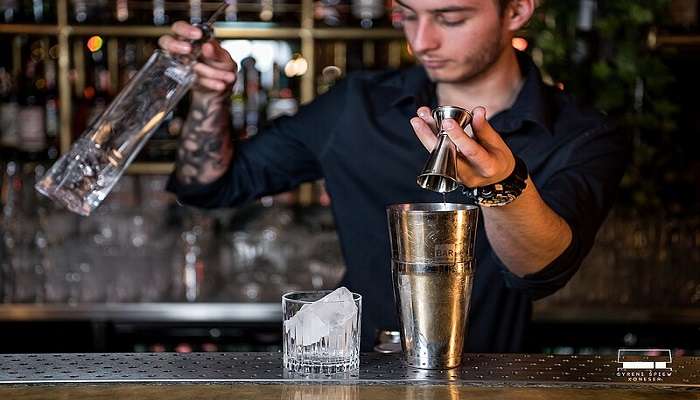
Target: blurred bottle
pixel 51 105
pixel 38 11
pixel 584 31
pixel 128 64
pixel 238 102
pixel 122 12
pixel 281 99
pixel 9 108
pixel 100 88
pixel 11 185
pixel 267 10
pixel 9 10
pixel 31 128
pixel 91 12
pixel 160 17
pixel 254 96
pixel 368 12
pixel 195 11
pixel 332 13
pixel 231 13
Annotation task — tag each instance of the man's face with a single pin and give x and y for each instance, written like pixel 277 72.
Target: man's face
pixel 455 40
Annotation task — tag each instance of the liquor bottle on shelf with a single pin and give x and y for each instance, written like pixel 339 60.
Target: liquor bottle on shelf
pixel 368 12
pixel 101 87
pixel 267 10
pixel 281 98
pixel 122 12
pixel 195 11
pixel 9 10
pixel 51 108
pixel 91 12
pixel 332 13
pixel 254 96
pixel 160 17
pixel 31 122
pixel 9 108
pixel 231 13
pixel 238 108
pixel 128 66
pixel 38 11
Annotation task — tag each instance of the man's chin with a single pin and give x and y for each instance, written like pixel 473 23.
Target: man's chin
pixel 443 75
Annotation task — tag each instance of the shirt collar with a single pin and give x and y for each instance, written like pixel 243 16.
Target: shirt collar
pixel 532 103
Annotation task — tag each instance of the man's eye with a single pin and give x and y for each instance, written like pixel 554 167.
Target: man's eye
pixel 454 22
pixel 409 17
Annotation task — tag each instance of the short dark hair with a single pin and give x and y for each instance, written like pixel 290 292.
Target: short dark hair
pixel 502 4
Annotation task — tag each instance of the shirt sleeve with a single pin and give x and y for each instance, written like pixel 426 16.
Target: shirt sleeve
pixel 282 156
pixel 581 192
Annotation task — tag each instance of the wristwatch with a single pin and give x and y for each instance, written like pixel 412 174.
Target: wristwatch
pixel 504 192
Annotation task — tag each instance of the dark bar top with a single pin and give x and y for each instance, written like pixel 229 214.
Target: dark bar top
pixel 260 375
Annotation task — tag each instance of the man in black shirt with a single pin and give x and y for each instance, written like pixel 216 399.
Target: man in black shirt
pixel 367 137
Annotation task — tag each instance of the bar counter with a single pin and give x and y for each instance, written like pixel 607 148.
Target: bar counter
pixel 261 376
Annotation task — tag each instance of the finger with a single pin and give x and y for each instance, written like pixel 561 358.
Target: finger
pixel 172 45
pixel 468 147
pixel 483 130
pixel 426 115
pixel 209 72
pixel 187 31
pixel 424 132
pixel 218 57
pixel 211 84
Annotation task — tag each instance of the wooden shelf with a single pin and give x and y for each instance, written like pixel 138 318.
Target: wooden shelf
pixel 356 33
pixel 151 168
pixel 222 32
pixel 677 40
pixel 29 29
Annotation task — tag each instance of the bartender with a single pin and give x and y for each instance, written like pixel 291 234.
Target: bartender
pixel 551 166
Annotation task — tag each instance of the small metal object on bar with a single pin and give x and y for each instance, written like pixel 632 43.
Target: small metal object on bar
pixel 440 172
pixel 388 342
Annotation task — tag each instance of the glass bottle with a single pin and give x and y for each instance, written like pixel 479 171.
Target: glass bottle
pixel 83 177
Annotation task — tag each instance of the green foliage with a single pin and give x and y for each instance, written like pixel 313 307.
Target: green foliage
pixel 613 68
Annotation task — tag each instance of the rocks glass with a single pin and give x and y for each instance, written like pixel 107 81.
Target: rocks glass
pixel 321 333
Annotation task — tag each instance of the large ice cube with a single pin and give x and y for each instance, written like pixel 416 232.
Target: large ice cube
pixel 333 317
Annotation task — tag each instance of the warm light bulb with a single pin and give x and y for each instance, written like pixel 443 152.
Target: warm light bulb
pixel 94 43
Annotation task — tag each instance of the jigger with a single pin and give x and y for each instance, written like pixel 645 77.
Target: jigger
pixel 440 172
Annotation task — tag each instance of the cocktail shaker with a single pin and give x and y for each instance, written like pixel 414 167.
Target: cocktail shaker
pixel 432 253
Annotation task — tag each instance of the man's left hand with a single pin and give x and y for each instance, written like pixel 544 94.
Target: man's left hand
pixel 482 160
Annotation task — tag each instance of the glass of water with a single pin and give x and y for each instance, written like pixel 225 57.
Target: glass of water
pixel 321 332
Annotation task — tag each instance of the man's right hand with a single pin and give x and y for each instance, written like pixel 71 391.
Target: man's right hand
pixel 216 70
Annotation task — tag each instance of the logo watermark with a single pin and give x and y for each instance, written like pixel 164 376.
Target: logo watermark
pixel 644 365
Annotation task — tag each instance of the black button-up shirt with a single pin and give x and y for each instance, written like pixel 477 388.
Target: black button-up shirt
pixel 358 138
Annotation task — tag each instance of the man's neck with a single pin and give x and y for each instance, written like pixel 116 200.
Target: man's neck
pixel 495 89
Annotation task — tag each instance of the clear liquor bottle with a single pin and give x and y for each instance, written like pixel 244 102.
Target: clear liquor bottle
pixel 81 179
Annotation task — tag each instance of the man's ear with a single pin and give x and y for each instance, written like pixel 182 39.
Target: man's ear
pixel 518 13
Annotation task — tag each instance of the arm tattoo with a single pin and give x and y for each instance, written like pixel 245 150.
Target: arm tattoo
pixel 205 146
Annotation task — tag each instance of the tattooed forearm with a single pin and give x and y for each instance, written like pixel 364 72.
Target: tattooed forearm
pixel 205 146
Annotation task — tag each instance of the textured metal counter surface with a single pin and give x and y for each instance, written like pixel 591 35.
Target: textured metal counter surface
pixel 375 369
pixel 149 312
pixel 272 312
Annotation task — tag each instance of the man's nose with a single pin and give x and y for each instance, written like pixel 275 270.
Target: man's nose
pixel 427 37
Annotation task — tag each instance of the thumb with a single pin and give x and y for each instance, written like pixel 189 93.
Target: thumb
pixel 483 131
pixel 217 56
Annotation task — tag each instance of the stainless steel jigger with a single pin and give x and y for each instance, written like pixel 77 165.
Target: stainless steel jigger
pixel 440 172
pixel 432 265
